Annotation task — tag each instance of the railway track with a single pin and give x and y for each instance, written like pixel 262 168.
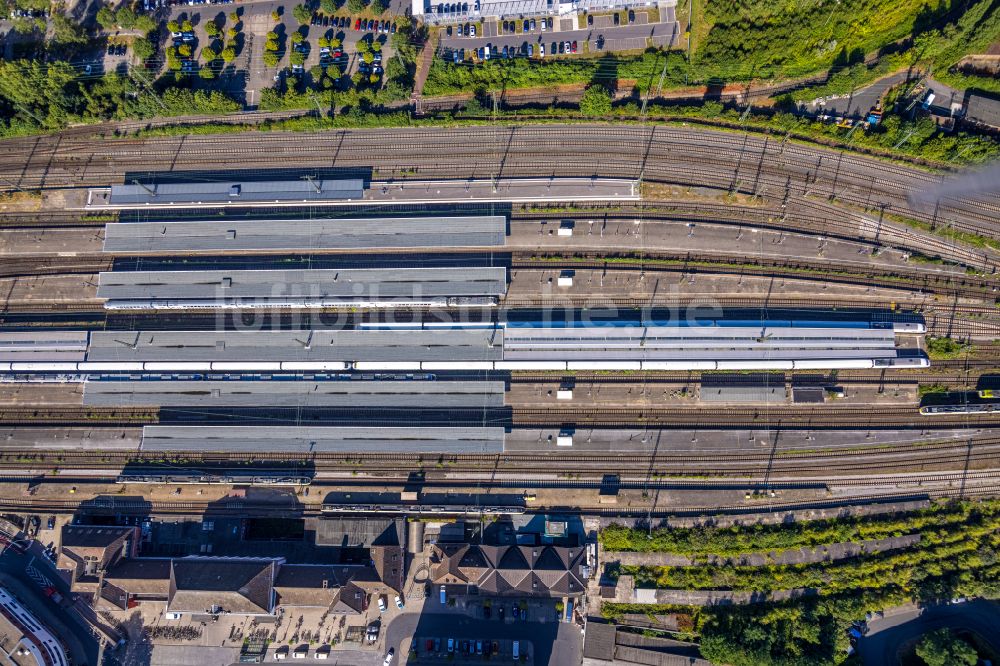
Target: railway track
pixel 678 156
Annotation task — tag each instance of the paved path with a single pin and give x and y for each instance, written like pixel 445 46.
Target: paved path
pixel 858 103
pixel 887 634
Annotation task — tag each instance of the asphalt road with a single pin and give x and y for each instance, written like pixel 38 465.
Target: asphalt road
pixel 886 635
pixel 76 637
pixel 860 102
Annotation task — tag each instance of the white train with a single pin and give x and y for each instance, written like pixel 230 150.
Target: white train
pixel 310 303
pixel 69 372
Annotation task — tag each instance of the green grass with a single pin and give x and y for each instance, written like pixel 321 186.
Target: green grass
pixel 946 349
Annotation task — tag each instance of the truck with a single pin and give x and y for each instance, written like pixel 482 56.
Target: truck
pixel 875 115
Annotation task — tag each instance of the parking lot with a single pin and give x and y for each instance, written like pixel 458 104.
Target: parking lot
pixel 601 34
pixel 250 74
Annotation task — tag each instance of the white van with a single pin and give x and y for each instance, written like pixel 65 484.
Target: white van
pixel 516 650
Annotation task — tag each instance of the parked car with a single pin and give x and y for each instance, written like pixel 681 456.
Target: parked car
pixel 472 30
pixel 532 24
pixel 618 19
pixel 631 17
pixel 381 604
pixel 590 19
pixel 531 50
pixel 574 46
pixel 357 24
pixel 541 50
pixel 451 645
pixel 399 602
pixel 388 657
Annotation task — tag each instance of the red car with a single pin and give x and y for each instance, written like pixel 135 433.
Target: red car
pixel 429 645
pixel 357 24
pixel 574 47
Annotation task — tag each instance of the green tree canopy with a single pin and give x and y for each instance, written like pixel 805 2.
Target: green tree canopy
pixel 356 6
pixel 106 18
pixel 184 50
pixel 143 49
pixel 296 58
pixel 206 73
pixel 65 31
pixel 187 26
pixel 173 26
pixel 145 23
pixel 301 14
pixel 378 6
pixel 228 54
pixel 125 17
pixel 271 58
pixel 942 648
pixel 297 37
pixel 328 6
pixel 208 54
pixel 211 28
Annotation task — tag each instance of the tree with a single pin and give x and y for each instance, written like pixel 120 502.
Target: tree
pixel 942 648
pixel 209 54
pixel 206 73
pixel 328 6
pixel 297 58
pixel 363 46
pixel 376 47
pixel 271 58
pixel 184 50
pixel 125 17
pixel 323 42
pixel 357 78
pixel 173 26
pixel 211 28
pixel 335 43
pixel 297 37
pixel 145 23
pixel 368 58
pixel 234 17
pixel 271 46
pixel 301 14
pixel 373 79
pixel 377 7
pixel 356 6
pixel 231 33
pixel 229 54
pixel 596 101
pixel 106 18
pixel 65 31
pixel 187 26
pixel 143 49
pixel 275 16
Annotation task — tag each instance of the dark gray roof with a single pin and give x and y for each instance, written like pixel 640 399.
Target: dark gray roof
pixel 323 439
pixel 312 346
pixel 402 394
pixel 351 283
pixel 321 234
pixel 599 642
pixel 237 585
pixel 236 192
pixel 359 532
pixel 983 110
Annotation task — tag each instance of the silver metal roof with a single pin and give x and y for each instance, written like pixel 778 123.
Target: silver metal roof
pixel 315 345
pixel 381 283
pixel 354 394
pixel 697 342
pixel 237 192
pixel 43 346
pixel 325 234
pixel 305 439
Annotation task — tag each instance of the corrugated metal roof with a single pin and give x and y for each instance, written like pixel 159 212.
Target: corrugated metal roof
pixel 315 345
pixel 306 439
pixel 237 191
pixel 316 283
pixel 743 394
pixel 359 394
pixel 393 232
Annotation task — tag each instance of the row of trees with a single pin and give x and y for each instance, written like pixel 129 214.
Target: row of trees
pixel 125 19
